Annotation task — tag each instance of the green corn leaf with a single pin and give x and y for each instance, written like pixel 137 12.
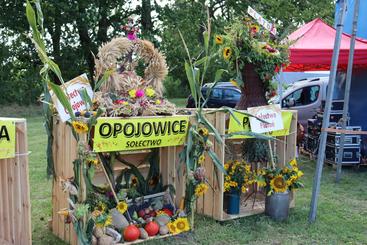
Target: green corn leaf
pixel 55 68
pixel 218 74
pixel 206 41
pixel 201 61
pixel 62 98
pixel 39 15
pixel 211 128
pixel 250 134
pixel 218 164
pixel 31 16
pixel 104 78
pixel 189 146
pixel 191 77
pixel 85 97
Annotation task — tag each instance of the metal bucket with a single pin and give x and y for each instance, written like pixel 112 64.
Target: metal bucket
pixel 233 202
pixel 277 206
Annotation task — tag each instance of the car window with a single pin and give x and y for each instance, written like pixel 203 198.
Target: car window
pixel 216 93
pixel 304 96
pixel 230 94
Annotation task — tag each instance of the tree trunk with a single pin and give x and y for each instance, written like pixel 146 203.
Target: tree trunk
pixel 253 90
pixel 146 18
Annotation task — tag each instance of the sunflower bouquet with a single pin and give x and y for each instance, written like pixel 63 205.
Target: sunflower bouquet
pixel 245 42
pixel 239 176
pixel 279 180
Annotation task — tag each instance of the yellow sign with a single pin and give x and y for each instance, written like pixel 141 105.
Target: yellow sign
pixel 7 139
pixel 244 126
pixel 139 133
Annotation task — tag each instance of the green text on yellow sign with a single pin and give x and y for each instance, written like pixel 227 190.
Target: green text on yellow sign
pixel 139 133
pixel 244 125
pixel 7 139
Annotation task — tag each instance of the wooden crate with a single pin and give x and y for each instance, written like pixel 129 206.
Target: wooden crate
pixel 15 214
pixel 64 153
pixel 212 203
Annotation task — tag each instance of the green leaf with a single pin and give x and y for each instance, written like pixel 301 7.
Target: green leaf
pixel 211 128
pixel 206 41
pixel 39 15
pixel 218 74
pixel 55 68
pixel 31 16
pixel 201 61
pixel 191 77
pixel 189 148
pixel 62 98
pixel 250 134
pixel 218 164
pixel 104 78
pixel 85 97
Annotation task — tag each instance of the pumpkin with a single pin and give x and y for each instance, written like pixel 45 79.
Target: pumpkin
pixel 152 228
pixel 131 233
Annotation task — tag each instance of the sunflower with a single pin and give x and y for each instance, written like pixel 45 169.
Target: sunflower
pixel 121 207
pixel 226 166
pixel 201 189
pixel 254 28
pixel 244 189
pixel 172 228
pixel 248 168
pixel 182 224
pixel 150 92
pixel 278 184
pixel 227 53
pixel 203 132
pixel 293 163
pixel 201 159
pixel 299 174
pixel 80 127
pixel 219 40
pixel 226 186
pixel 101 207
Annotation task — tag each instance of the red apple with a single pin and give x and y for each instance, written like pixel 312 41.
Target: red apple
pixel 152 228
pixel 131 233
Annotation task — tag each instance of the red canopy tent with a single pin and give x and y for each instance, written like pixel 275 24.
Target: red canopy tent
pixel 313 46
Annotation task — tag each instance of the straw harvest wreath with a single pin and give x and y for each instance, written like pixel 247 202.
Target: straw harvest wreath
pixel 125 93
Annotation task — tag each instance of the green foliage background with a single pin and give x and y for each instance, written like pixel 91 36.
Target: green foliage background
pixel 75 29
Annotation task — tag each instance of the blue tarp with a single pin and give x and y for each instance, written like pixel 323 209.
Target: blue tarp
pixel 362 18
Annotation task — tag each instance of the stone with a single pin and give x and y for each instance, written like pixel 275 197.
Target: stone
pixel 98 232
pixel 162 219
pixel 143 234
pixel 105 240
pixel 163 230
pixel 118 219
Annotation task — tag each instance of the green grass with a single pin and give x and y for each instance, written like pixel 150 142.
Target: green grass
pixel 341 219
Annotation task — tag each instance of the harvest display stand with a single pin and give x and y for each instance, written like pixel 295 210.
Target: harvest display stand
pixel 15 214
pixel 65 151
pixel 211 204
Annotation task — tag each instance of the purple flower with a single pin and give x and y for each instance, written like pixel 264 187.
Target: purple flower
pixel 131 36
pixel 139 93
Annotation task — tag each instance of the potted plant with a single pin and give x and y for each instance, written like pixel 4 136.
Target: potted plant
pixel 237 179
pixel 279 183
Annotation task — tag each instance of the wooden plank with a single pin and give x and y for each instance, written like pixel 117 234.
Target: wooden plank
pixel 26 233
pixel 180 180
pixel 220 124
pixel 10 185
pixel 292 140
pixel 2 200
pixel 18 208
pixel 5 192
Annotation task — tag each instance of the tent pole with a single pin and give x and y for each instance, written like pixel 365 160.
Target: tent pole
pixel 280 86
pixel 347 90
pixel 326 117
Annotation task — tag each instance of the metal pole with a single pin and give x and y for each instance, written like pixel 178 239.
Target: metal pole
pixel 326 117
pixel 280 86
pixel 347 90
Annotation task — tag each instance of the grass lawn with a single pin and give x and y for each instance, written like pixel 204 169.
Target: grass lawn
pixel 342 212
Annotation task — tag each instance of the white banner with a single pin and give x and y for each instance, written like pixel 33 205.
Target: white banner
pixel 263 22
pixel 271 114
